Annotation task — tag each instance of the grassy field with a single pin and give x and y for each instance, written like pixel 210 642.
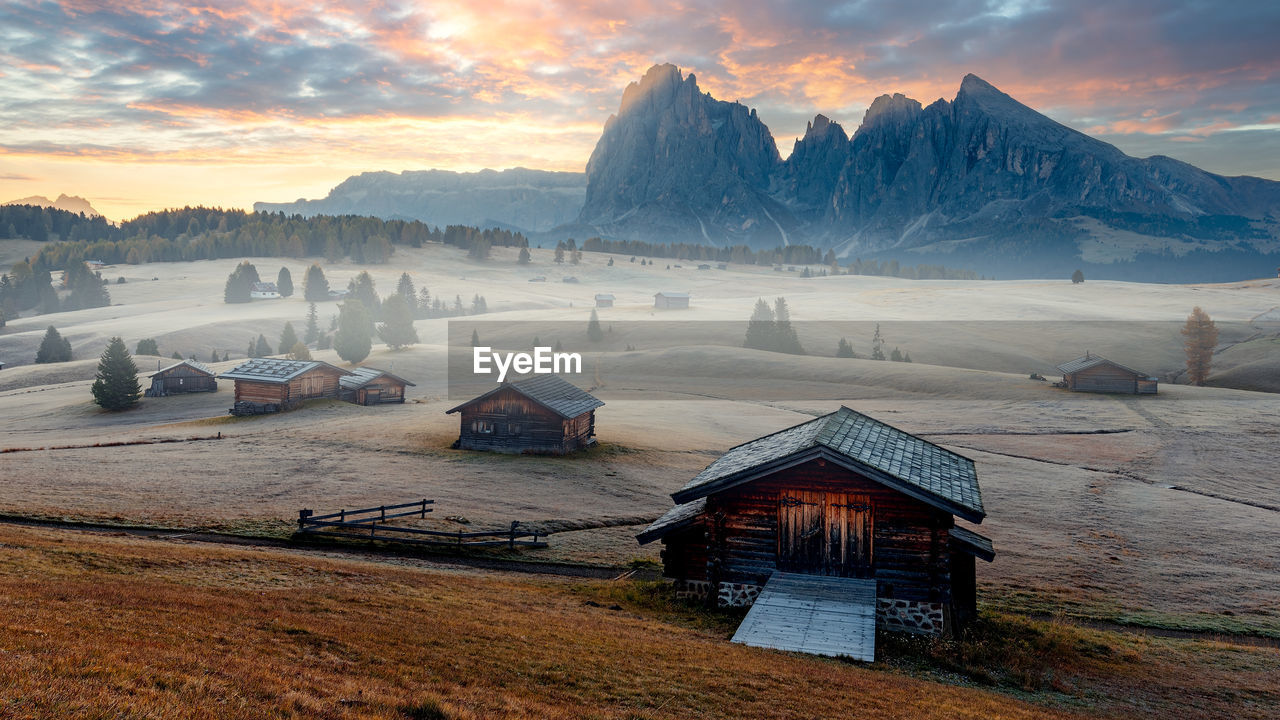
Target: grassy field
pixel 94 625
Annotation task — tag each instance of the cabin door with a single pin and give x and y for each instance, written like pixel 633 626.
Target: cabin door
pixel 312 385
pixel 824 533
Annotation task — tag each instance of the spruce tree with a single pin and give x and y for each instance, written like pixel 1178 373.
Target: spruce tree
pixel 147 346
pixel 116 385
pixel 760 328
pixel 284 282
pixel 1077 277
pixel 408 292
pixel 785 335
pixel 844 349
pixel 312 333
pixel 896 355
pixel 524 256
pixel 475 339
pixel 240 283
pixel 53 348
pixel 877 345
pixel 299 352
pixel 288 338
pixel 352 339
pixel 315 287
pixel 397 329
pixel 261 347
pixel 252 352
pixel 176 356
pixel 361 288
pixel 594 333
pixel 1201 338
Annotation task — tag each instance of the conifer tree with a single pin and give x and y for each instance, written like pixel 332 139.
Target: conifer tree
pixel 524 259
pixel 288 338
pixel 397 329
pixel 785 335
pixel 361 288
pixel 147 346
pixel 844 349
pixel 315 287
pixel 252 352
pixel 240 283
pixel 176 356
pixel 116 385
pixel 284 282
pixel 760 328
pixel 407 291
pixel 53 348
pixel 594 332
pixel 1201 338
pixel 1077 277
pixel 261 347
pixel 312 333
pixel 896 355
pixel 475 338
pixel 877 345
pixel 299 352
pixel 352 338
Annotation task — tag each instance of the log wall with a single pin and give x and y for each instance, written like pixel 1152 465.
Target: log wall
pixel 508 421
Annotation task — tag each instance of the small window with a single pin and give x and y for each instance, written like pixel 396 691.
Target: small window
pixel 482 427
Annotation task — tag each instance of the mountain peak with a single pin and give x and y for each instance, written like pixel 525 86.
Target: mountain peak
pixel 974 84
pixel 884 107
pixel 70 203
pixel 659 85
pixel 821 126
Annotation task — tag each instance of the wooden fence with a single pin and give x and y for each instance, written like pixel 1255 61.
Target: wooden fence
pixel 371 522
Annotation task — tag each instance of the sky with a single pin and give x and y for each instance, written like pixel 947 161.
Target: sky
pixel 139 105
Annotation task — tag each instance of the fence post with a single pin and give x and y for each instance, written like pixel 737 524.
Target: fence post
pixel 383 508
pixel 511 544
pixel 342 515
pixel 423 514
pixel 302 517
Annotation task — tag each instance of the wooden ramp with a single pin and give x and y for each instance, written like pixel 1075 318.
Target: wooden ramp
pixel 813 614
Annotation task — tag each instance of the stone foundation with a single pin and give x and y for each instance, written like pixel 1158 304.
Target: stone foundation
pixel 692 589
pixel 737 594
pixel 910 616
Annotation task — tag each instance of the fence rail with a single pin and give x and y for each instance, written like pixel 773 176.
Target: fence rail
pixel 373 521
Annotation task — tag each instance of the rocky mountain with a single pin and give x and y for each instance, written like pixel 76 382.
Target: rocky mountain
pixel 980 180
pixel 70 203
pixel 515 199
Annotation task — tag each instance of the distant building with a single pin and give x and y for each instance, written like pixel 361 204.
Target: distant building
pixel 1091 373
pixel 542 414
pixel 94 265
pixel 569 279
pixel 538 278
pixel 337 294
pixel 671 301
pixel 604 300
pixel 371 386
pixel 265 385
pixel 264 291
pixel 722 266
pixel 704 266
pixel 187 376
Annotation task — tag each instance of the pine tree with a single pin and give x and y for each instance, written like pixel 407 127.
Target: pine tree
pixel 299 352
pixel 116 385
pixel 240 283
pixel 784 333
pixel 312 333
pixel 760 328
pixel 844 349
pixel 397 328
pixel 1077 277
pixel 877 345
pixel 284 282
pixel 176 356
pixel 288 338
pixel 896 355
pixel 147 346
pixel 1201 338
pixel 315 287
pixel 407 291
pixel 478 305
pixel 261 348
pixel 525 259
pixel 361 288
pixel 352 339
pixel 475 338
pixel 559 256
pixel 252 352
pixel 424 302
pixel 906 357
pixel 53 348
pixel 594 333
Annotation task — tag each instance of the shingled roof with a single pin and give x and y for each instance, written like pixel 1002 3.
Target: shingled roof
pixel 272 370
pixel 1089 360
pixel 885 454
pixel 194 364
pixel 550 391
pixel 362 376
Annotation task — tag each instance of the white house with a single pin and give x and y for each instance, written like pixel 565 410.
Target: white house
pixel 263 291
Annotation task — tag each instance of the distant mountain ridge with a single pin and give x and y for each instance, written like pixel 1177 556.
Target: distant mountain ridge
pixel 515 199
pixel 70 203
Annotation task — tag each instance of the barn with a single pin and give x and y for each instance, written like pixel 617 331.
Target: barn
pixel 1091 373
pixel 266 385
pixel 671 301
pixel 604 300
pixel 187 376
pixel 541 414
pixel 852 508
pixel 371 386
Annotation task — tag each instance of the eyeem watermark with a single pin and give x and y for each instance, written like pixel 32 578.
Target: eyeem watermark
pixel 542 361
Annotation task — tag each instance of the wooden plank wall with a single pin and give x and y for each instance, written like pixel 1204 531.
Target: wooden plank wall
pixel 910 553
pixel 1103 378
pixel 540 429
pixel 260 392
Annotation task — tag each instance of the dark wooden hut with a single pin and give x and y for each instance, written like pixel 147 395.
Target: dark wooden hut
pixel 1092 373
pixel 266 385
pixel 542 414
pixel 187 376
pixel 671 301
pixel 843 495
pixel 371 386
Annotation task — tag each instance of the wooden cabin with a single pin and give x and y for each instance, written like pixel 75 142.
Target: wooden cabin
pixel 843 495
pixel 371 386
pixel 541 414
pixel 187 376
pixel 1091 373
pixel 671 301
pixel 604 300
pixel 264 291
pixel 265 385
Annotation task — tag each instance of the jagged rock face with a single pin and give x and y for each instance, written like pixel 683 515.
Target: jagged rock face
pixel 70 203
pixel 809 176
pixel 675 163
pixel 517 199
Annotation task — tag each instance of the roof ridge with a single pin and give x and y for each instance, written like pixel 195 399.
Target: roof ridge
pixel 883 424
pixel 779 432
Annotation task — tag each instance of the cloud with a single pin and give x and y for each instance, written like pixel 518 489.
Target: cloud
pixel 521 82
